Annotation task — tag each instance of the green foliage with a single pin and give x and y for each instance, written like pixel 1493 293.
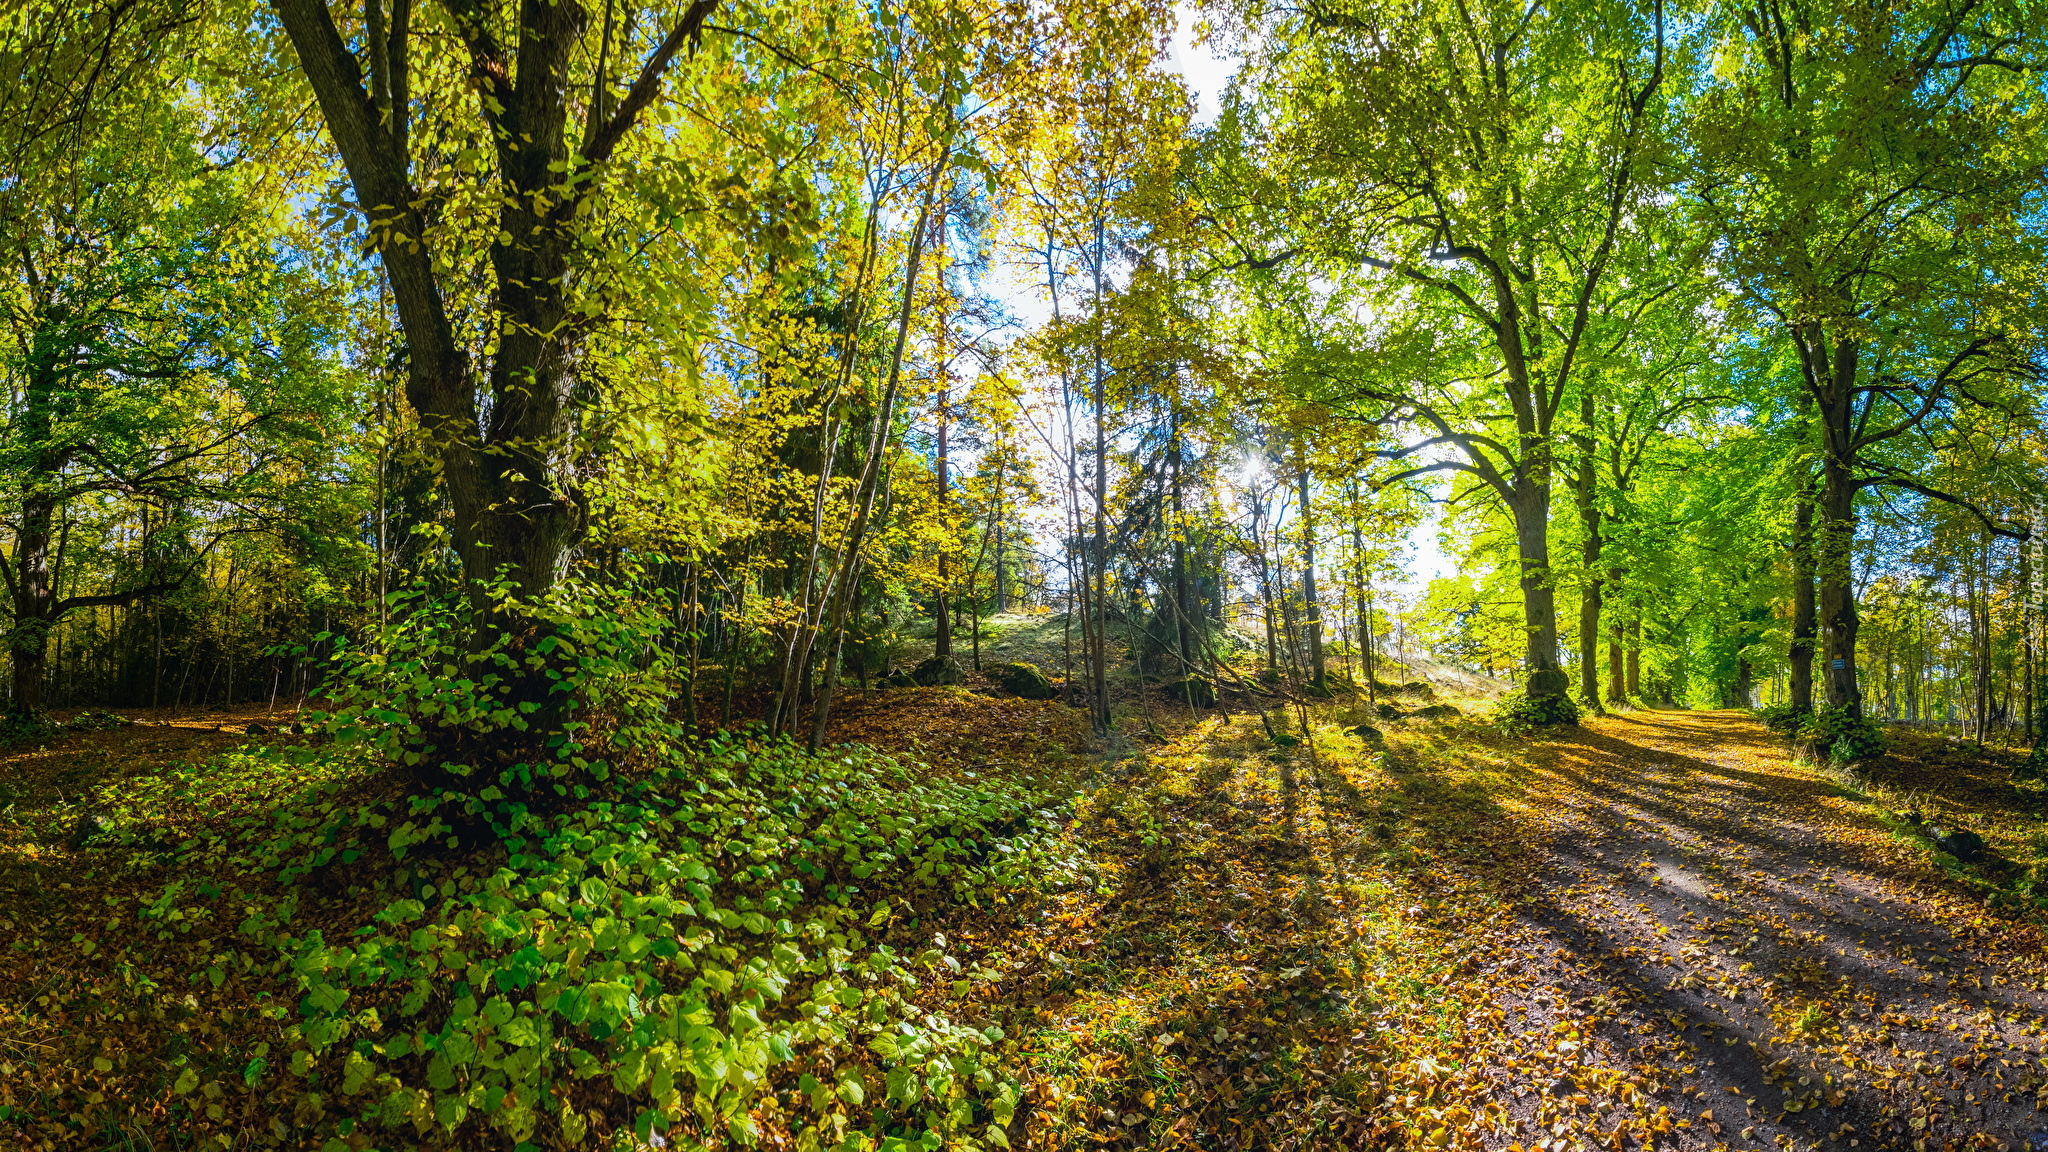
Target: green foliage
pixel 1838 734
pixel 714 921
pixel 671 944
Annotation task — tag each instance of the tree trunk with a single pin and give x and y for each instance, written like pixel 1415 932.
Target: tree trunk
pixel 1836 594
pixel 942 644
pixel 1539 600
pixel 1799 657
pixel 1590 603
pixel 1635 656
pixel 1312 611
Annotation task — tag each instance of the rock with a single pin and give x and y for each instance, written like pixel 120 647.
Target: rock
pixel 1436 712
pixel 898 680
pixel 1023 680
pixel 1967 847
pixel 1365 732
pixel 89 825
pixel 1193 691
pixel 1548 682
pixel 97 720
pixel 1388 712
pixel 1285 739
pixel 937 671
pixel 1420 689
pixel 258 730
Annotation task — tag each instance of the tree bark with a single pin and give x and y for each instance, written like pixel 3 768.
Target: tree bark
pixel 1799 657
pixel 1836 594
pixel 1539 600
pixel 1590 602
pixel 1312 612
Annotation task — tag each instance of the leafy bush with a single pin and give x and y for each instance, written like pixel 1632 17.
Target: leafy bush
pixel 702 927
pixel 1836 733
pixel 713 935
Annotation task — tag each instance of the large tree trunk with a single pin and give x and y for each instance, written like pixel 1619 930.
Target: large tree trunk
pixel 1836 594
pixel 1539 600
pixel 1590 602
pixel 1799 657
pixel 516 508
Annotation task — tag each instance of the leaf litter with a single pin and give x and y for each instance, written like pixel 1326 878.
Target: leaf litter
pixel 1652 931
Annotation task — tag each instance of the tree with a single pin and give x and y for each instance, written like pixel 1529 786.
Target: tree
pixel 528 101
pixel 162 342
pixel 1490 169
pixel 1864 170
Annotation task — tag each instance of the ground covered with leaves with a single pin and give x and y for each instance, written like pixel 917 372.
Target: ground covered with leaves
pixel 1652 930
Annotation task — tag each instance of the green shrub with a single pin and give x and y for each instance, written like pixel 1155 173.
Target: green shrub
pixel 713 935
pixel 1836 733
pixel 690 927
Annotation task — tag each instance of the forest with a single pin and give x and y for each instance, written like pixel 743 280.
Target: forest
pixel 1037 574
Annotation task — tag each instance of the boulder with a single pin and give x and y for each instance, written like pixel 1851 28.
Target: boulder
pixel 937 671
pixel 1024 680
pixel 1387 711
pixel 1365 732
pixel 97 720
pixel 89 825
pixel 1967 847
pixel 1193 691
pixel 1436 712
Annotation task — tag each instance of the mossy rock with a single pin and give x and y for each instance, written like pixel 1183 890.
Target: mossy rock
pixel 1548 682
pixel 1387 711
pixel 937 671
pixel 1366 732
pixel 898 680
pixel 1193 691
pixel 1436 712
pixel 1420 689
pixel 1967 847
pixel 1023 680
pixel 97 721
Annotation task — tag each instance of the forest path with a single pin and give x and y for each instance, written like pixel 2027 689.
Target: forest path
pixel 1651 930
pixel 1824 981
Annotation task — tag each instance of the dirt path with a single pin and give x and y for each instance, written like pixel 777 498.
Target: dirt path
pixel 1649 931
pixel 1815 976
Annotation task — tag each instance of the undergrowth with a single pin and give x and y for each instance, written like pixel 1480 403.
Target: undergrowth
pixel 721 940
